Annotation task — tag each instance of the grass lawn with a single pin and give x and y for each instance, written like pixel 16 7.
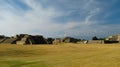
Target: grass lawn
pixel 64 55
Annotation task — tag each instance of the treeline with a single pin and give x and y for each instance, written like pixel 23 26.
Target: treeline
pixel 96 38
pixel 2 36
pixel 93 38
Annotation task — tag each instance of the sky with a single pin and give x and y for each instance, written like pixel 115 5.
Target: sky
pixel 60 18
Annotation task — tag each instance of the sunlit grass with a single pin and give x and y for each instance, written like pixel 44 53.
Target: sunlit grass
pixel 63 55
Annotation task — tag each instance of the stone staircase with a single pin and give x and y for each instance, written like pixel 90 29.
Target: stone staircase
pixel 9 41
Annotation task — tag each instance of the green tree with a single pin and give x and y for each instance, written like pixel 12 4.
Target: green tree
pixel 94 38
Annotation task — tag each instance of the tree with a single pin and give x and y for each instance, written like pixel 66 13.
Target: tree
pixel 2 36
pixel 94 38
pixel 50 40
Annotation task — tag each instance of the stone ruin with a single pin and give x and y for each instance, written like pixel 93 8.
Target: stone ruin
pixel 24 39
pixel 113 39
pixel 65 40
pixel 57 41
pixel 70 40
pixel 95 42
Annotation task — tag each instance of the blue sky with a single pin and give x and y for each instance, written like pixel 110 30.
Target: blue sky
pixel 59 18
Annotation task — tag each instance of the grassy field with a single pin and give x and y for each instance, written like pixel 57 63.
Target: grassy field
pixel 65 55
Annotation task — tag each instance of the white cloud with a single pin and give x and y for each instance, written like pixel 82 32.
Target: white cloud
pixel 40 20
pixel 92 13
pixel 36 19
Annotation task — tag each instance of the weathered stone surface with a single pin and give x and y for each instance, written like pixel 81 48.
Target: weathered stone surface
pixel 9 41
pixel 113 39
pixel 24 39
pixel 95 42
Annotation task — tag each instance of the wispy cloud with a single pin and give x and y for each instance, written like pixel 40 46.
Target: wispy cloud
pixel 54 18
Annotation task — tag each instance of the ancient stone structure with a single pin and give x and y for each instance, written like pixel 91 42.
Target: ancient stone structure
pixel 69 40
pixel 57 40
pixel 2 40
pixel 65 40
pixel 50 40
pixel 95 42
pixel 24 39
pixel 113 39
pixel 29 39
pixel 9 41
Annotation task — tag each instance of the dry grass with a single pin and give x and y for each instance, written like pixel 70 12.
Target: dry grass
pixel 64 55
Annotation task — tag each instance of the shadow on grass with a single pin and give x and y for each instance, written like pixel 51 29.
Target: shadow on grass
pixel 23 64
pixel 21 53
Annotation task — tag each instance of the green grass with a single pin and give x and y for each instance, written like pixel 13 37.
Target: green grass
pixel 64 55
